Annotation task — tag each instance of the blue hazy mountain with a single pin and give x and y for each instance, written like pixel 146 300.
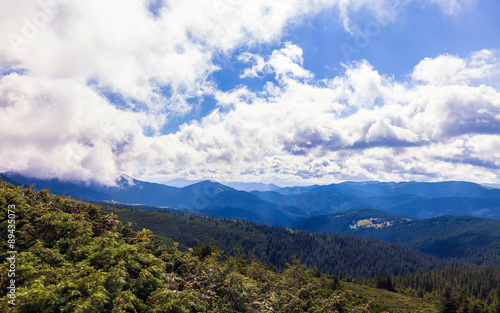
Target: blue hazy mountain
pixel 212 195
pixel 416 200
pixel 422 189
pixel 208 197
pixel 291 204
pixel 253 186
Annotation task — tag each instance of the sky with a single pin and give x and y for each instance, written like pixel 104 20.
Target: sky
pixel 316 91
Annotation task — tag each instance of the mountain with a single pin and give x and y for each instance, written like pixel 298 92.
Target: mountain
pixel 460 237
pixel 289 205
pixel 211 195
pixel 296 190
pixel 78 258
pixel 253 186
pixel 428 200
pixel 205 196
pixel 427 208
pixel 423 189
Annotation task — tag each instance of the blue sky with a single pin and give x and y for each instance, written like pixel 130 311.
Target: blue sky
pixel 394 48
pixel 290 91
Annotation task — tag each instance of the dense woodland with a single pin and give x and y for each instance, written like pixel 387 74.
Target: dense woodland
pixel 76 257
pixel 356 257
pixel 467 238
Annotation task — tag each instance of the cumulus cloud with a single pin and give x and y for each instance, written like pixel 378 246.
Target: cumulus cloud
pixel 306 129
pixel 43 136
pixel 87 87
pixel 449 69
pixel 285 63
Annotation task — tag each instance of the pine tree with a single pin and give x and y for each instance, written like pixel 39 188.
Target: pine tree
pixel 380 282
pixel 448 302
pixel 388 283
pixel 464 302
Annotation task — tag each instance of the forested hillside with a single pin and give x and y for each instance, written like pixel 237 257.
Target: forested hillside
pixel 353 256
pixel 471 239
pixel 470 286
pixel 74 257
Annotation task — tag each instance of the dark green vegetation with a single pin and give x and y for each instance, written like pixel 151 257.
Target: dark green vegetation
pixel 473 289
pixel 75 257
pixel 471 284
pixel 357 257
pixel 470 239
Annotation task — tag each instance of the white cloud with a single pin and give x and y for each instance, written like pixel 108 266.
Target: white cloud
pixel 44 137
pixel 284 63
pixel 68 59
pixel 304 129
pixel 448 69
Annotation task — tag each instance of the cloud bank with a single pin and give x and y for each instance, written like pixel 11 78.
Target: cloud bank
pixel 87 88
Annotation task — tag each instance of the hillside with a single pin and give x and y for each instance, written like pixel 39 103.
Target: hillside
pixel 460 237
pixel 474 285
pixel 72 256
pixel 351 222
pixel 276 245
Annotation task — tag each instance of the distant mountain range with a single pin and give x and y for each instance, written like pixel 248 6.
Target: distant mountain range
pixel 273 205
pixel 413 199
pixel 180 183
pixel 443 219
pixel 206 197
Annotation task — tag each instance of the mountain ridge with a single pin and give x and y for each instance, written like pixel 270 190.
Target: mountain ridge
pixel 289 204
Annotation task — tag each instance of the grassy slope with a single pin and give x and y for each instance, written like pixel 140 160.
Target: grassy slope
pixel 392 300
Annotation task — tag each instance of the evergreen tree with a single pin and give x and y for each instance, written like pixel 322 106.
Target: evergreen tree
pixel 463 301
pixel 388 283
pixel 380 282
pixel 448 302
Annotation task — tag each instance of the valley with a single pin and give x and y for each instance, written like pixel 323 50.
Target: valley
pixel 330 247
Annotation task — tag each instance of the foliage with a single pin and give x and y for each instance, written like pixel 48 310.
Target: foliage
pixel 384 283
pixel 75 257
pixel 356 257
pixel 469 239
pixel 361 258
pixel 474 289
